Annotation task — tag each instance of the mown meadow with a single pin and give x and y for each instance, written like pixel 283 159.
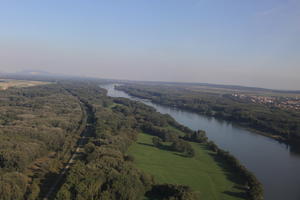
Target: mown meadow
pixel 208 177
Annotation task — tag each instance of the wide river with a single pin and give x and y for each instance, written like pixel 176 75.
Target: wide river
pixel 276 165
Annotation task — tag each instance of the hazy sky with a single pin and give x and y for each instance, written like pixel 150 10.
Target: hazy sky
pixel 245 42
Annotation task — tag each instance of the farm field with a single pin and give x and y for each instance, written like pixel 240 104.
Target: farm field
pixel 7 83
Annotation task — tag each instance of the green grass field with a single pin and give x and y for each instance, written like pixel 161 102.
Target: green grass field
pixel 207 176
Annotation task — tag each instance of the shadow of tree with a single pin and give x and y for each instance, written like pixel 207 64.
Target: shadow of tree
pixel 182 155
pixel 232 176
pixel 241 195
pixel 47 183
pixel 162 147
pixel 227 169
pixel 165 148
pixel 142 143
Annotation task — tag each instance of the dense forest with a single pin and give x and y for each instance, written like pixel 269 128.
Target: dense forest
pixel 41 127
pixel 279 123
pixel 38 129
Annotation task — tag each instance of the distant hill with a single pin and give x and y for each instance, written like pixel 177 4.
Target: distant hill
pixel 35 73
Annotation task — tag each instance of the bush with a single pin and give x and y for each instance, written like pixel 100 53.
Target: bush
pixel 183 147
pixel 169 191
pixel 157 141
pixel 196 136
pixel 129 158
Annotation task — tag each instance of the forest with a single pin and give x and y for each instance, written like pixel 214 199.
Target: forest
pixel 38 130
pixel 41 127
pixel 275 122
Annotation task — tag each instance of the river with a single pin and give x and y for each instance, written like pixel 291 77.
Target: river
pixel 275 164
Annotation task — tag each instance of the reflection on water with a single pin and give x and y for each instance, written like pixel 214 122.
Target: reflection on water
pixel 294 148
pixel 275 164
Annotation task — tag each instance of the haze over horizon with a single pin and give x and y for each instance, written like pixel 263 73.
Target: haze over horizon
pixel 249 43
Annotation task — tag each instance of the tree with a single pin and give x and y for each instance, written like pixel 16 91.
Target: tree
pixel 190 152
pixel 157 141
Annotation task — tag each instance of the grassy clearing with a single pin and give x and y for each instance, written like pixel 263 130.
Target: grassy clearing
pixel 207 176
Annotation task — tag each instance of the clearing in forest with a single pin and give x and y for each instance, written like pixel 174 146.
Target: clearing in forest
pixel 204 173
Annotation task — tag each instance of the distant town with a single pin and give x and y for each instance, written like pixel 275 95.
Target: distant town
pixel 281 102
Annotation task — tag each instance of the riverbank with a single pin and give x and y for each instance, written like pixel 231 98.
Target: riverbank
pixel 247 181
pixel 261 155
pixel 210 114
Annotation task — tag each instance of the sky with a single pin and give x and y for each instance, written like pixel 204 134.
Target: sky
pixel 239 42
